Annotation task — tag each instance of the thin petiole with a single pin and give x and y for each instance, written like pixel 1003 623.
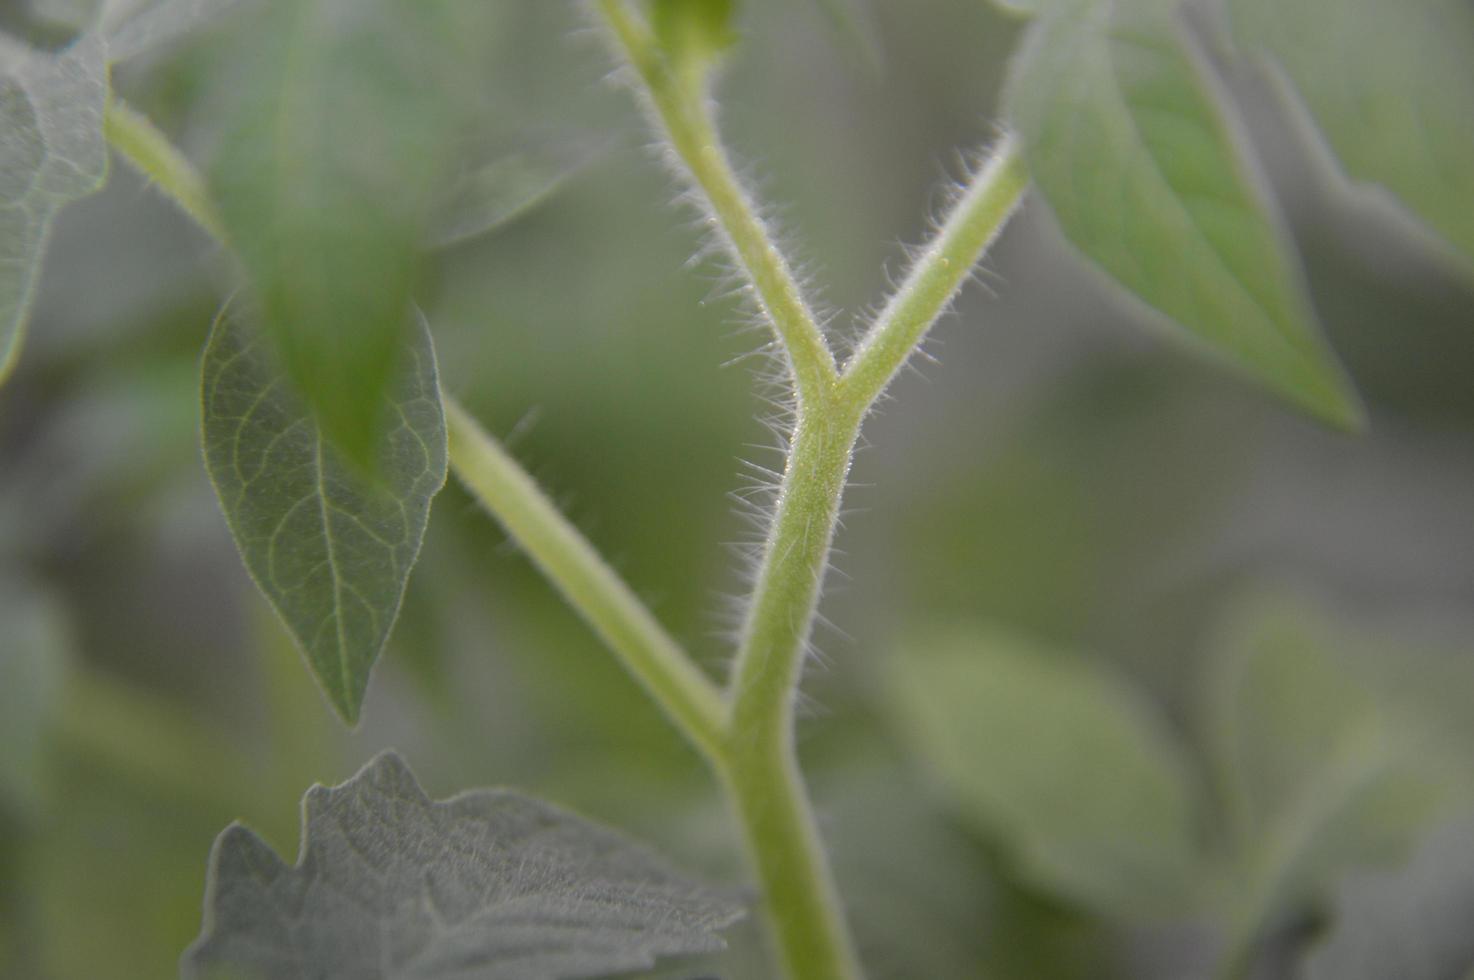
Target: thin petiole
pixel 937 274
pixel 688 697
pixel 683 112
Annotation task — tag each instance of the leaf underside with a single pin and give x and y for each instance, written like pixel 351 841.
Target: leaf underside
pixel 52 151
pixel 488 885
pixel 1132 149
pixel 330 546
pixel 1391 87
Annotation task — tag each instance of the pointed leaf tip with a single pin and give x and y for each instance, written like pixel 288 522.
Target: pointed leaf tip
pixel 330 547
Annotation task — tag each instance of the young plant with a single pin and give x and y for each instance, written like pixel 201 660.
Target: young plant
pixel 326 435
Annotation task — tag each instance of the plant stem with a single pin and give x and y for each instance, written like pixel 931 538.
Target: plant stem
pixel 683 113
pixel 759 767
pixel 748 734
pixel 141 143
pixel 938 272
pixel 591 587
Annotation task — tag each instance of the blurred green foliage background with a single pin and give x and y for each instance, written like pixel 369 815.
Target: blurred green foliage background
pixel 1054 477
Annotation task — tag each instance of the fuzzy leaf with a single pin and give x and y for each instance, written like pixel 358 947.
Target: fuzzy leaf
pixel 1412 923
pixel 134 27
pixel 1391 86
pixel 336 134
pixel 1129 145
pixel 51 151
pixel 488 885
pixel 330 547
pixel 1060 762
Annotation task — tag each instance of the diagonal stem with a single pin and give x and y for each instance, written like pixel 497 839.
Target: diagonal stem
pixel 682 111
pixel 591 587
pixel 938 273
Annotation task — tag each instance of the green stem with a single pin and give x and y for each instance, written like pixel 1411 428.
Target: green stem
pixel 938 273
pixel 591 587
pixel 748 734
pixel 141 143
pixel 684 113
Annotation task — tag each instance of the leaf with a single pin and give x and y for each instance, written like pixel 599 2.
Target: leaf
pixel 1129 144
pixel 52 151
pixel 490 884
pixel 693 31
pixel 1317 773
pixel 1391 86
pixel 1060 762
pixel 329 547
pixel 1412 924
pixel 337 132
pixel 513 183
pixel 34 653
pixel 135 27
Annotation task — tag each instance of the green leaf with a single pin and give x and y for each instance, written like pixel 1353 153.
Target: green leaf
pixel 52 151
pixel 34 654
pixel 484 198
pixel 1391 86
pixel 1412 924
pixel 693 32
pixel 1128 142
pixel 134 27
pixel 1060 762
pixel 337 133
pixel 488 884
pixel 331 548
pixel 1318 773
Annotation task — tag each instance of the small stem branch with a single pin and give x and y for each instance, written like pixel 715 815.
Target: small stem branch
pixel 937 274
pixel 591 587
pixel 148 150
pixel 682 110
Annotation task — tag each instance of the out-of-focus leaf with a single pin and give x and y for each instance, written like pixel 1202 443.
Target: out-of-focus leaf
pixel 1412 923
pixel 693 31
pixel 331 548
pixel 1060 762
pixel 1131 148
pixel 490 884
pixel 1391 87
pixel 336 135
pixel 34 652
pixel 1317 774
pixel 487 197
pixel 51 151
pixel 72 14
pixel 1021 8
pixel 133 27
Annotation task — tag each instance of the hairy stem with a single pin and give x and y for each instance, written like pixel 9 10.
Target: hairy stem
pixel 148 150
pixel 591 587
pixel 938 272
pixel 747 734
pixel 683 112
